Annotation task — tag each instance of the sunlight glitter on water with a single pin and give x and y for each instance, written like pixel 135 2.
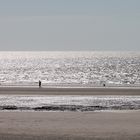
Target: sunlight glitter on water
pixel 67 68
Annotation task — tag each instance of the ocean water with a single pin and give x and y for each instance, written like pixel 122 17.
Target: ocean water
pixel 68 103
pixel 70 68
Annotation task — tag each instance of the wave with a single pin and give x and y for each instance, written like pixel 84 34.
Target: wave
pixel 73 108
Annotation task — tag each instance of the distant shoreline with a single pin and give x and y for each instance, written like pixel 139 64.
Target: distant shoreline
pixel 70 91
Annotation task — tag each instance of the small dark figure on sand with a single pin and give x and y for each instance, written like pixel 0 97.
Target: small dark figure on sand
pixel 39 84
pixel 104 85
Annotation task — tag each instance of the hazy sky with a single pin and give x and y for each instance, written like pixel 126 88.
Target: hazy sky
pixel 70 25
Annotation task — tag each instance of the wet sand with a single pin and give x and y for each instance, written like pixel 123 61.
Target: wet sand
pixel 68 91
pixel 70 125
pixel 122 125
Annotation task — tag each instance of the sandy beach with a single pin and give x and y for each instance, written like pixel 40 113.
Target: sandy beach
pixel 70 125
pixel 115 125
pixel 69 91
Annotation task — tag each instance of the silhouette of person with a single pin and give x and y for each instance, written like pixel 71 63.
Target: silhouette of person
pixel 39 84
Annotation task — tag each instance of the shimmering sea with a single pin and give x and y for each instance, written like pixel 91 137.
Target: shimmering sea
pixel 70 68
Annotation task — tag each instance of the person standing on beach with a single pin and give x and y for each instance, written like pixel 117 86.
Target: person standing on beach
pixel 39 84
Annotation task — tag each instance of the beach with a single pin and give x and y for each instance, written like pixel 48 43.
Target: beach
pixel 30 125
pixel 69 91
pixel 70 125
